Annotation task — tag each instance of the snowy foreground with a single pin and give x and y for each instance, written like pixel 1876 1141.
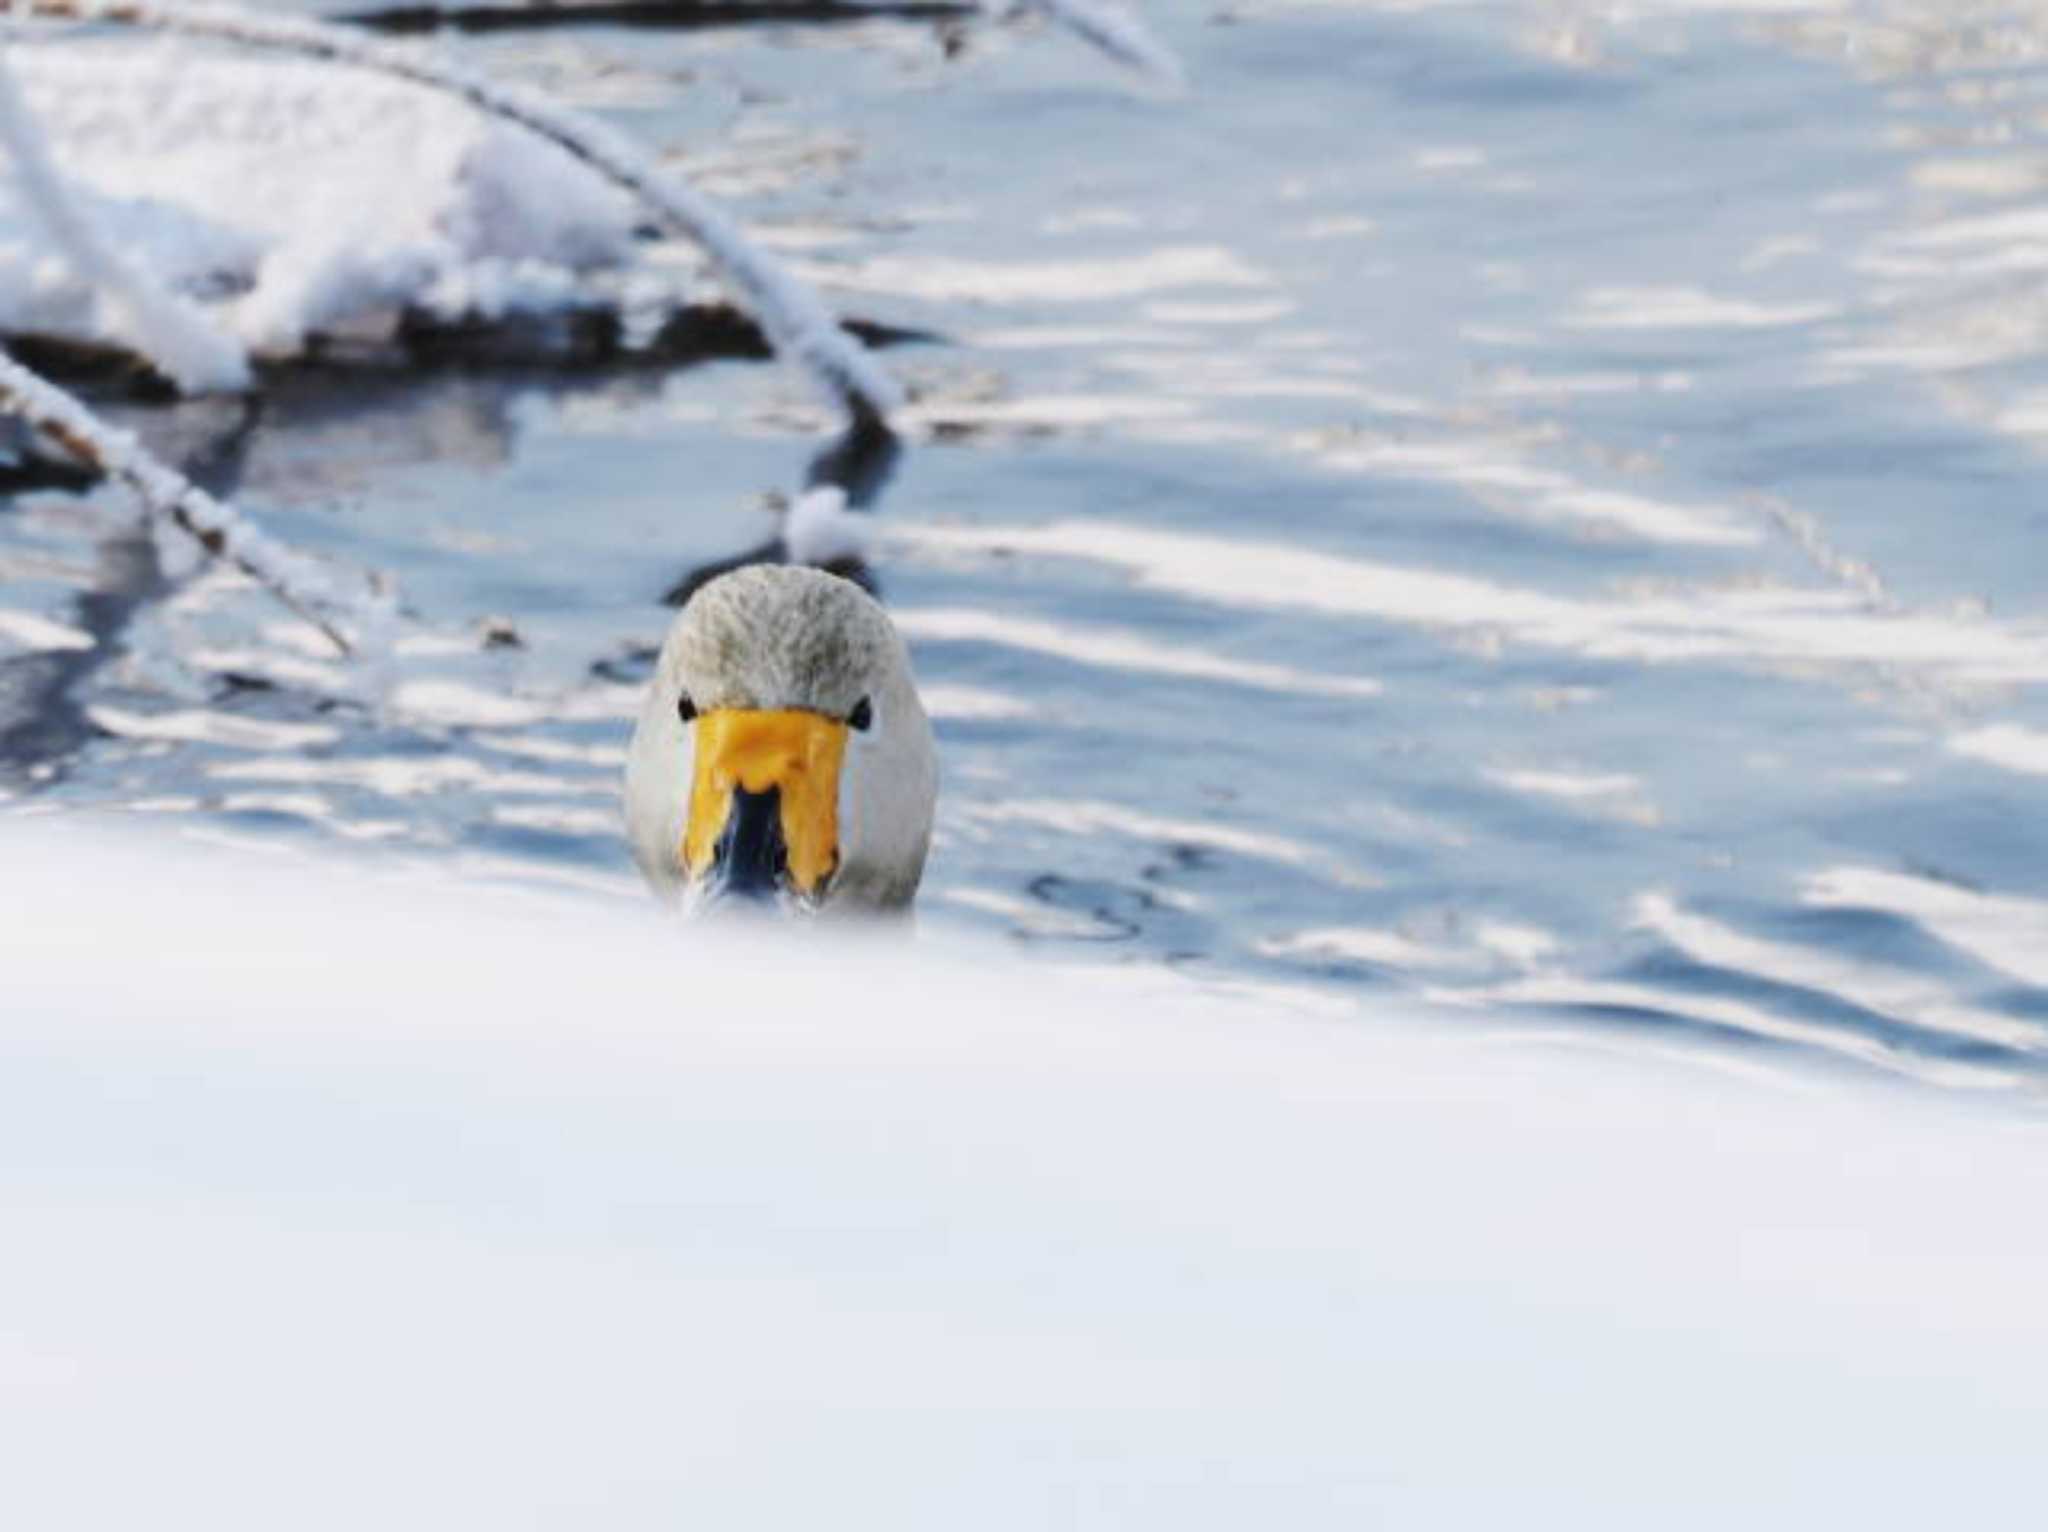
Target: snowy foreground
pixel 337 1202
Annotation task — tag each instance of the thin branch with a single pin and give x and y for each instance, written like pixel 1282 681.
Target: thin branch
pixel 168 495
pixel 791 315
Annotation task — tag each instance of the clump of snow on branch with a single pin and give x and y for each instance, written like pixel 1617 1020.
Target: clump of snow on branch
pixel 168 495
pixel 792 316
pixel 820 530
pixel 1110 26
pixel 294 198
pixel 166 328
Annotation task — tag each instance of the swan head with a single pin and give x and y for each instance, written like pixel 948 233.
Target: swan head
pixel 782 755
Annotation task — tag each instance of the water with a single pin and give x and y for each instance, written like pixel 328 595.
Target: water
pixel 1533 504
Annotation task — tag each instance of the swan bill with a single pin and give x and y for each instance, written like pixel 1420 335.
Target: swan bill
pixel 764 802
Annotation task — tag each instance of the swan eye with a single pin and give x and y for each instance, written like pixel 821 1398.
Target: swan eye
pixel 685 708
pixel 862 716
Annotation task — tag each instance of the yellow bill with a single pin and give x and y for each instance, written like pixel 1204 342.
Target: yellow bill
pixel 796 753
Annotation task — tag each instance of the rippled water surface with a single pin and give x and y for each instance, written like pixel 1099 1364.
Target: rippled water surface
pixel 1534 503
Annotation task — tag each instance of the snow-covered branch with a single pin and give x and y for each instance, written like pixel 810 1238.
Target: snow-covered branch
pixel 794 319
pixel 165 328
pixel 223 531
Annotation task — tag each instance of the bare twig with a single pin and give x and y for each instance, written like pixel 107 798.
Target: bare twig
pixel 792 316
pixel 167 494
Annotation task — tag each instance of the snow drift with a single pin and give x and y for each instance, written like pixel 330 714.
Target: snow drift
pixel 337 1198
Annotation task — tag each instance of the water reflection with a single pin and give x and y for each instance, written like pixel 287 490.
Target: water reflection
pixel 1570 553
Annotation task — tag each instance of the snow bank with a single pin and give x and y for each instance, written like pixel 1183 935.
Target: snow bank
pixel 293 197
pixel 337 1200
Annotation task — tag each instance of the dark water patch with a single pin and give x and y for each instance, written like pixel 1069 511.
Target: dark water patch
pixel 34 472
pixel 592 337
pixel 1633 1020
pixel 1679 974
pixel 598 338
pixel 42 722
pixel 1113 912
pixel 1878 937
pixel 661 14
pixel 105 371
pixel 2026 1002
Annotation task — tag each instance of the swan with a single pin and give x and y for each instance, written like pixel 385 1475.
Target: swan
pixel 782 754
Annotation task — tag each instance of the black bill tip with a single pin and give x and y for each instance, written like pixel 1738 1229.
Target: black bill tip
pixel 751 860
